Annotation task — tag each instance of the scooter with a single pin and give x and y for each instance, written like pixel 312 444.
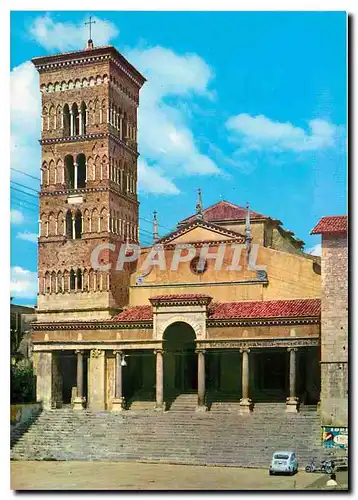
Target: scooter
pixel 324 466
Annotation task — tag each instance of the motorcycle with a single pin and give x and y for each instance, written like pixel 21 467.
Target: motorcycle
pixel 326 466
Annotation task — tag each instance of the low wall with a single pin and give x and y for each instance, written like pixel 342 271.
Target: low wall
pixel 21 413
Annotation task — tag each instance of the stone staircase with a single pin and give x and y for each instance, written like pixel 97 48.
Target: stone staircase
pixel 175 436
pixel 183 402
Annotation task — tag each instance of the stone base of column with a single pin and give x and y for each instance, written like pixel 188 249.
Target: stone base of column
pixel 246 406
pixel 78 403
pixel 160 407
pixel 118 404
pixel 292 405
pixel 201 408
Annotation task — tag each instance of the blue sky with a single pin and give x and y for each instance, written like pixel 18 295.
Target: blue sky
pixel 248 106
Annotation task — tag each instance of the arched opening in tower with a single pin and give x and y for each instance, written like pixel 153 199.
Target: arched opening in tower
pixel 69 225
pixel 72 280
pixel 66 121
pixel 79 279
pixel 81 170
pixel 69 172
pixel 78 225
pixel 75 120
pixel 83 118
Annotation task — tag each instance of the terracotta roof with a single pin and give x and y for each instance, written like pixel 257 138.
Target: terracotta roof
pixel 136 313
pixel 223 210
pixel 266 309
pixel 295 308
pixel 331 224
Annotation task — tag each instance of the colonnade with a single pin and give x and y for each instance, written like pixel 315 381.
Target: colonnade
pixel 245 401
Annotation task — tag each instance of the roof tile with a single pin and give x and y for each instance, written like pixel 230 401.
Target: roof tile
pixel 331 224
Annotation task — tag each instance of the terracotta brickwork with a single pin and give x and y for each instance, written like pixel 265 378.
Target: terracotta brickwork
pixel 88 179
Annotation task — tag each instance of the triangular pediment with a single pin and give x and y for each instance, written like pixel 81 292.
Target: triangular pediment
pixel 200 231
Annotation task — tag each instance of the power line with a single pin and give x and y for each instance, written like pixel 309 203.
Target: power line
pixel 23 185
pixel 24 192
pixel 36 191
pixel 24 173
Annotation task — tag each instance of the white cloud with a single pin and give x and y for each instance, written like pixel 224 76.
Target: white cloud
pixel 67 36
pixel 151 180
pixel 32 237
pixel 166 140
pixel 316 250
pixel 23 283
pixel 25 103
pixel 262 133
pixel 16 217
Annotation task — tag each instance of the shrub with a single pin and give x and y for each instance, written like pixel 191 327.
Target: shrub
pixel 22 382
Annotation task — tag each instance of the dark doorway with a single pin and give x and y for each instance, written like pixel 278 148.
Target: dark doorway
pixel 68 370
pixel 270 375
pixel 180 360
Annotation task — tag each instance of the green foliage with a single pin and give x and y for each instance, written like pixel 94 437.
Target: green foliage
pixel 22 382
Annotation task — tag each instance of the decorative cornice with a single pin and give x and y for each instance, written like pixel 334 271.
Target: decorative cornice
pixel 168 301
pixel 261 322
pixel 73 138
pixel 90 325
pixel 85 190
pixel 86 57
pixel 201 223
pixel 88 137
pixel 201 284
pixel 257 343
pixel 199 244
pixel 133 325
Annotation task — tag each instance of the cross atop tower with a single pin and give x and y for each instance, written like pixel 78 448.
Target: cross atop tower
pixel 90 41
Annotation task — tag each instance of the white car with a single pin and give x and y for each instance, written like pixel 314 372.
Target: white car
pixel 283 461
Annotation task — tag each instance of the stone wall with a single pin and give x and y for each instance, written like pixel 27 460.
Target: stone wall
pixel 334 342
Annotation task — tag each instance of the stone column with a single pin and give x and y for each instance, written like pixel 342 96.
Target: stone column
pixel 118 401
pixel 245 401
pixel 71 123
pixel 79 400
pixel 160 404
pixel 75 174
pixel 201 380
pixel 292 400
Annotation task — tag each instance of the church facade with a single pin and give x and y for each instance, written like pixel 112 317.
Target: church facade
pixel 226 307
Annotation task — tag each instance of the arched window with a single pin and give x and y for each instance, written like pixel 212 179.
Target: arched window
pixel 79 279
pixel 83 120
pixel 125 127
pixel 66 121
pixel 81 170
pixel 69 172
pixel 69 225
pixel 72 280
pixel 75 120
pixel 78 225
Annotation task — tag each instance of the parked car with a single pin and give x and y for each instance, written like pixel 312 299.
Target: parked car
pixel 283 462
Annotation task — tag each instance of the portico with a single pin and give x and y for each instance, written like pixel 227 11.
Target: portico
pixel 180 346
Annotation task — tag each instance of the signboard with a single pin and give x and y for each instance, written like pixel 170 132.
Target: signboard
pixel 335 437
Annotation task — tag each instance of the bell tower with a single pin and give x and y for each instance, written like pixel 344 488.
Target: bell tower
pixel 88 194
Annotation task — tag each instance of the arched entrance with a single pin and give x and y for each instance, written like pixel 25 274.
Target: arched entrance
pixel 180 360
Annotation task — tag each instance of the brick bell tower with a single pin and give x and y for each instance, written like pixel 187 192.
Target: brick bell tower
pixel 88 190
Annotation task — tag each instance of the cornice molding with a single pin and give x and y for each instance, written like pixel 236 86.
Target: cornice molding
pixel 88 137
pixel 148 324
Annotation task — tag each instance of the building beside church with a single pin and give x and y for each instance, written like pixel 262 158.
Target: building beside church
pixel 233 315
pixel 334 320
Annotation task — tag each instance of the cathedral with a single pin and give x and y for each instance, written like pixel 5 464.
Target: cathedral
pixel 228 308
